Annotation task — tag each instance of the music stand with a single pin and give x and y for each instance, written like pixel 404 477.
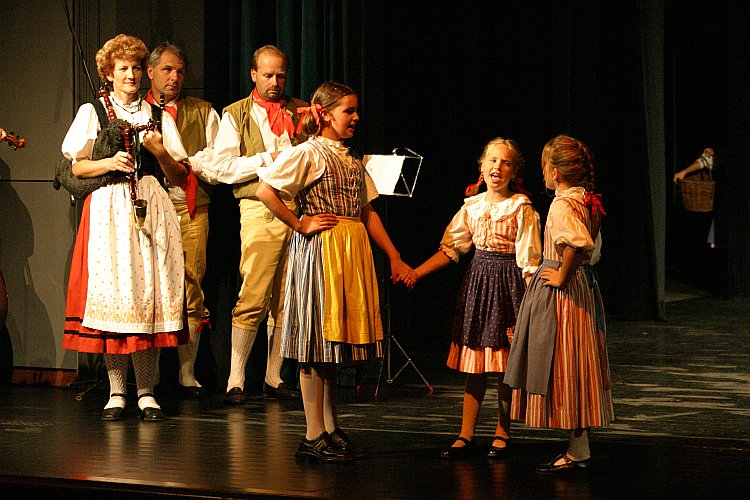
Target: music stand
pixel 394 175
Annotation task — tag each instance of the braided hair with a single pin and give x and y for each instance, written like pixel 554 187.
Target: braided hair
pixel 575 163
pixel 573 159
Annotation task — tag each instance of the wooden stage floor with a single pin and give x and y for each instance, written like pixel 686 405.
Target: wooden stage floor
pixel 682 402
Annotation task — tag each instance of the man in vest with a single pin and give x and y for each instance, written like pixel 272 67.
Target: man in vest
pixel 253 131
pixel 198 125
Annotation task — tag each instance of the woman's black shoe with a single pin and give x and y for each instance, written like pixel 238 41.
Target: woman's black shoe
pixel 112 414
pixel 151 413
pixel 341 440
pixel 322 448
pixel 496 452
pixel 464 451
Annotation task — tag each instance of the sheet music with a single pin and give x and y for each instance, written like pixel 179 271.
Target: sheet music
pixel 384 170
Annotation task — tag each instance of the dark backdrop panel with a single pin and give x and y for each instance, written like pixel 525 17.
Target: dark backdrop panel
pixel 525 71
pixel 707 46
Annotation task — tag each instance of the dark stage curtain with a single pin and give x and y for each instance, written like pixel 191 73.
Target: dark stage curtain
pixel 735 210
pixel 652 62
pixel 443 78
pixel 324 40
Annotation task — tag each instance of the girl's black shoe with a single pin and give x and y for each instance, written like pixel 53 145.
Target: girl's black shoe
pixel 495 452
pixel 322 448
pixel 567 465
pixel 341 440
pixel 467 450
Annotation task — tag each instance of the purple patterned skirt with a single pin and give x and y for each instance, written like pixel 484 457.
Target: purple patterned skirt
pixel 490 295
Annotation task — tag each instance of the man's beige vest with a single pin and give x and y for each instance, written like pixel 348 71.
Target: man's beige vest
pixel 192 117
pixel 251 139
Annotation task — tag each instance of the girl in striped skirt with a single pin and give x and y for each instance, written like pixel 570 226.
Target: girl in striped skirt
pixel 503 228
pixel 331 308
pixel 558 361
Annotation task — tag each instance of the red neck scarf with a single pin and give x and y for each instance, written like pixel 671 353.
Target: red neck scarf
pixel 278 118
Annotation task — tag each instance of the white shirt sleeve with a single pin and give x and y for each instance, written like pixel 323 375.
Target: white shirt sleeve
pixel 528 241
pixel 294 169
pixel 457 238
pixel 171 138
pixel 225 163
pixel 79 141
pixel 371 191
pixel 706 161
pixel 566 229
pixel 206 155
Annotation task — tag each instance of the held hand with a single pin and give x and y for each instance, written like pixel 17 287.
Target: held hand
pixel 678 176
pixel 553 277
pixel 317 223
pixel 403 273
pixel 411 280
pixel 152 140
pixel 122 161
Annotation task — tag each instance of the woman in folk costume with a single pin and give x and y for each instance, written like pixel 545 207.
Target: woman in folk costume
pixel 558 359
pixel 126 287
pixel 332 308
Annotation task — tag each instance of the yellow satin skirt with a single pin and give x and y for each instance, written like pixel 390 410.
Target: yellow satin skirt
pixel 352 304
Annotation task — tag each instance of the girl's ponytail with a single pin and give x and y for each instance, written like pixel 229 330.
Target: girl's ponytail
pixel 473 189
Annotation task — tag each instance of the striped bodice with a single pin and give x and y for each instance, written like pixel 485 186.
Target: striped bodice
pixel 495 235
pixel 339 189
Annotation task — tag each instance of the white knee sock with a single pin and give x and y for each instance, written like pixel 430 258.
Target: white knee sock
pixel 144 364
pixel 117 370
pixel 578 446
pixel 273 366
pixel 187 354
pixel 311 387
pixel 242 344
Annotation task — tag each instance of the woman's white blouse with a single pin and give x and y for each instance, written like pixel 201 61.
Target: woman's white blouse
pixel 79 141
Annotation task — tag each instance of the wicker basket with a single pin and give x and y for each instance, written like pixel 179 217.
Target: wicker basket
pixel 697 192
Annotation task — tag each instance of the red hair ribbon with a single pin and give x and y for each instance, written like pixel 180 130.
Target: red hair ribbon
pixel 314 109
pixel 473 189
pixel 518 188
pixel 594 202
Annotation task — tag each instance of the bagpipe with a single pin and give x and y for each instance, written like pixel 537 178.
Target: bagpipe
pixel 115 135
